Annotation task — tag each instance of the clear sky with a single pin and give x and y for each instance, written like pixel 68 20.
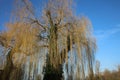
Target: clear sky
pixel 105 18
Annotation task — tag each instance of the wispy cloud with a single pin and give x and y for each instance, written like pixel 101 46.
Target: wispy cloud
pixel 101 34
pixel 118 25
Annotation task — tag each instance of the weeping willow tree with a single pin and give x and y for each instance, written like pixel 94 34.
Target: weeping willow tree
pixel 63 38
pixel 19 38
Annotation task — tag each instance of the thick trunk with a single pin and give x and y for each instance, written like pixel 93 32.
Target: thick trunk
pixel 53 69
pixel 52 73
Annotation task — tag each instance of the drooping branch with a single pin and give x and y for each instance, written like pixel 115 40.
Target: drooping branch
pixel 63 52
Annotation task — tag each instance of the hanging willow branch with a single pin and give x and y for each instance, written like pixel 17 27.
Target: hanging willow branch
pixel 57 31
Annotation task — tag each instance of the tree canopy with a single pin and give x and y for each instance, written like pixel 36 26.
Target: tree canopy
pixel 58 35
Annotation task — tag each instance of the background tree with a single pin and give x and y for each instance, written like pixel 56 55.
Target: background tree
pixel 20 37
pixel 97 71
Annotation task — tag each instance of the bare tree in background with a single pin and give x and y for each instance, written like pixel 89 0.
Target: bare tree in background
pixel 58 30
pixel 97 71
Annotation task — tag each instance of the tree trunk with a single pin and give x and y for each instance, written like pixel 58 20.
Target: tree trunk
pixel 52 73
pixel 8 67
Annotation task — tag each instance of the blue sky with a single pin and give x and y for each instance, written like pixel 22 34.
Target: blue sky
pixel 105 18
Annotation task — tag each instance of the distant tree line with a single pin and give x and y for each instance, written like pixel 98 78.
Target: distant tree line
pixel 111 75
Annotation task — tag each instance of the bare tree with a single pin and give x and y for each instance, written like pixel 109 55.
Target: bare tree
pixel 97 70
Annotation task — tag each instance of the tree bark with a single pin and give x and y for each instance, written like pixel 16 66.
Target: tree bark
pixel 52 73
pixel 8 67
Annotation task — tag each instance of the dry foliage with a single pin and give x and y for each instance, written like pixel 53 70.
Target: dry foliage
pixel 60 32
